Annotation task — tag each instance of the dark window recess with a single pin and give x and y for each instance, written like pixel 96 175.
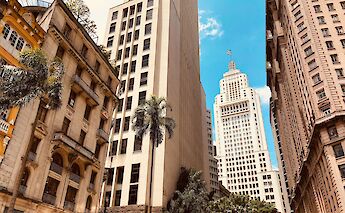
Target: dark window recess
pixel 107 199
pixel 106 102
pixel 42 112
pixel 50 189
pixel 130 23
pixel 129 38
pixel 67 31
pixel 136 35
pixel 65 125
pixel 138 20
pixel 117 125
pixel 338 150
pixel 139 7
pixel 147 43
pixel 123 26
pixel 142 98
pixel 135 50
pixel 149 3
pixel 131 84
pixel 149 14
pixel 126 124
pixel 133 194
pixel 110 176
pixel 70 198
pixel 119 55
pixel 93 85
pixel 117 197
pixel 135 173
pixel 87 112
pixel 82 137
pixel 93 177
pixel 123 147
pixel 148 28
pixel 143 78
pixel 332 132
pixel 114 148
pixel 145 61
pixel 129 103
pixel 84 50
pixel 97 65
pixel 102 123
pixel 97 150
pixel 110 41
pixel 342 170
pixel 119 173
pixel 114 15
pixel 132 10
pixel 133 65
pixel 128 49
pixel 122 39
pixel 125 12
pixel 138 142
pixel 123 85
pixel 34 145
pixel 125 69
pixel 79 71
pixel 120 105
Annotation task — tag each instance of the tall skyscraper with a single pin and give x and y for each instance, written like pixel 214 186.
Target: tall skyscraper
pixel 155 45
pixel 305 54
pixel 244 164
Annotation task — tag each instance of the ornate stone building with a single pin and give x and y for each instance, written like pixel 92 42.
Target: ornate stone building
pixel 305 62
pixel 67 150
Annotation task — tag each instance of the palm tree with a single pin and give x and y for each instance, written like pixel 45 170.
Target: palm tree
pixel 37 78
pixel 150 118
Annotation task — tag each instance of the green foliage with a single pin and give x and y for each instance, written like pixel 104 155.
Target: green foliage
pixel 236 203
pixel 37 78
pixel 82 14
pixel 151 118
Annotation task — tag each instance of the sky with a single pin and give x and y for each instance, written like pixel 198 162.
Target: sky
pixel 223 24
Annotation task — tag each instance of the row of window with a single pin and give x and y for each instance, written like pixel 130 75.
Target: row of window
pixel 131 10
pixel 12 36
pixel 123 146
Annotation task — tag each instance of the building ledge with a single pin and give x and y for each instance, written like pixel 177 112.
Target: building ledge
pixel 103 135
pixel 81 86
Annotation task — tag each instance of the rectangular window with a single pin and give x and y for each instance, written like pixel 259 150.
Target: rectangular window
pixel 102 123
pixel 317 9
pixel 342 41
pixel 340 30
pixel 146 44
pixel 119 173
pixel 127 52
pixel 135 50
pixel 125 69
pixel 65 125
pixel 325 32
pixel 106 102
pixel 114 15
pixel 82 137
pixel 342 170
pixel 321 20
pixel 110 41
pixel 97 150
pixel 329 45
pixel 67 31
pixel 335 18
pixel 42 112
pixel 120 105
pixel 332 132
pixel 125 13
pixel 132 10
pixel 87 112
pixel 149 3
pixel 130 23
pixel 316 78
pixel 117 125
pixel 308 51
pixel 60 52
pixel 123 85
pixel 123 25
pixel 298 15
pixel 122 39
pixel 148 29
pixel 142 97
pixel 145 61
pixel 114 148
pixel 119 55
pixel 129 103
pixel 117 197
pixel 84 51
pixel 129 37
pixel 133 65
pixel 126 124
pixel 312 64
pixel 135 173
pixel 112 27
pixel 136 35
pixel 335 59
pixel 133 194
pixel 149 14
pixel 342 3
pixel 139 7
pixel 97 66
pixel 110 176
pixel 301 27
pixel 330 7
pixel 131 84
pixel 305 38
pixel 137 144
pixel 340 72
pixel 138 21
pixel 123 146
pixel 321 94
pixel 143 78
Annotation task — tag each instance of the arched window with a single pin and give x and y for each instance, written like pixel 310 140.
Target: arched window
pixel 25 177
pixel 13 38
pixel 20 44
pixel 57 163
pixel 6 30
pixel 75 173
pixel 88 204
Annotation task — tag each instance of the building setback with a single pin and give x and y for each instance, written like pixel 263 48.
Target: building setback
pixel 244 164
pixel 305 62
pixel 155 45
pixel 66 156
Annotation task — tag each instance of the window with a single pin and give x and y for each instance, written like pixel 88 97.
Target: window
pixel 112 27
pixel 122 38
pixel 316 78
pixel 321 94
pixel 65 125
pixel 117 197
pixel 131 84
pixel 343 89
pixel 123 147
pixel 308 51
pixel 50 189
pixel 137 144
pixel 114 15
pixel 335 59
pixel 325 32
pixel 119 55
pixel 143 78
pixel 339 72
pixel 321 20
pixel 340 30
pixel 137 21
pixel 125 69
pixel 110 41
pixel 123 85
pixel 129 103
pixel 135 173
pixel 87 112
pixel 298 15
pixel 84 50
pixel 126 124
pixel 312 64
pixel 117 125
pixel 93 85
pixel 123 25
pixel 148 29
pixel 317 9
pixel 107 199
pixel 6 30
pixel 97 65
pixel 146 44
pixel 342 3
pixel 342 170
pixel 133 65
pixel 20 44
pixel 305 38
pixel 88 204
pixel 60 52
pixel 149 3
pixel 110 176
pixel 114 148
pixel 135 50
pixel 136 35
pixel 335 18
pixel 120 105
pixel 132 10
pixel 102 123
pixel 97 150
pixel 42 112
pixel 149 14
pixel 13 38
pixel 145 61
pixel 332 132
pixel 82 137
pixel 329 45
pixel 128 49
pixel 330 7
pixel 129 37
pixel 133 194
pixel 130 23
pixel 106 102
pixel 125 12
pixel 119 173
pixel 142 97
pixel 35 142
pixel 342 41
pixel 139 7
pixel 301 27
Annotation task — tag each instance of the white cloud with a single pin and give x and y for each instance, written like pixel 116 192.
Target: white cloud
pixel 209 26
pixel 264 93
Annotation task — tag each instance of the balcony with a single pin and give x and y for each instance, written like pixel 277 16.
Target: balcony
pixel 50 199
pixel 74 177
pixel 69 205
pixel 4 126
pixel 59 136
pixel 102 134
pixel 56 168
pixel 81 86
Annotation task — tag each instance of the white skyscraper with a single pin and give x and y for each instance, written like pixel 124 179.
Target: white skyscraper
pixel 244 164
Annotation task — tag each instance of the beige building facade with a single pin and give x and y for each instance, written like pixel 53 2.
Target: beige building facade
pixel 66 156
pixel 155 45
pixel 305 62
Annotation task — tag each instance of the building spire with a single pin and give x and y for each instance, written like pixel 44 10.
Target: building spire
pixel 232 65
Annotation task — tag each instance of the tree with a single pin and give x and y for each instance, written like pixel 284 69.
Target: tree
pixel 37 78
pixel 236 203
pixel 191 195
pixel 82 14
pixel 150 118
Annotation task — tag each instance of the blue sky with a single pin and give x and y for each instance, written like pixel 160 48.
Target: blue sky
pixel 239 26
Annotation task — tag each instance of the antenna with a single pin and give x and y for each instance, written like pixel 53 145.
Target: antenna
pixel 232 65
